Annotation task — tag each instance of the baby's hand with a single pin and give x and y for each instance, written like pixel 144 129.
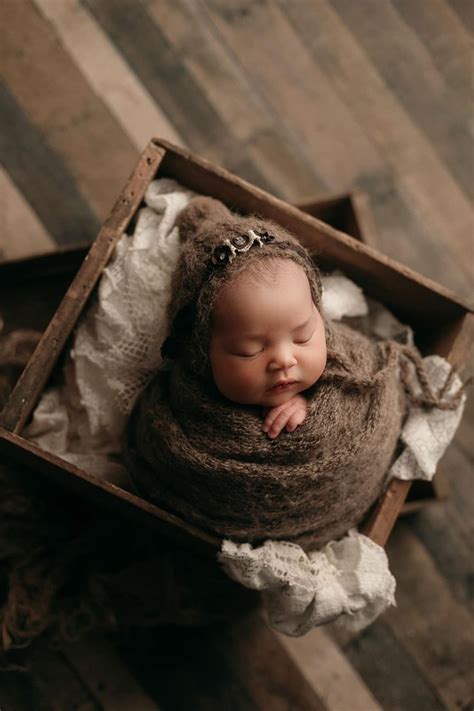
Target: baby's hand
pixel 291 414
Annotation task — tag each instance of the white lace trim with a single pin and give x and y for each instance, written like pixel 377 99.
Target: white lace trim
pixel 302 590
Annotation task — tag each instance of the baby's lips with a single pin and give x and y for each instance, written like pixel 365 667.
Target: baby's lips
pixel 283 384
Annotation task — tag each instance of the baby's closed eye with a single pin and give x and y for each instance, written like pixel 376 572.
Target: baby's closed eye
pixel 243 354
pixel 301 340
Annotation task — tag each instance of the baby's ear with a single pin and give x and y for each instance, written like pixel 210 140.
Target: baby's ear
pixel 199 211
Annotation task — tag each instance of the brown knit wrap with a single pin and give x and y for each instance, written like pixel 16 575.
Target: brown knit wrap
pixel 197 454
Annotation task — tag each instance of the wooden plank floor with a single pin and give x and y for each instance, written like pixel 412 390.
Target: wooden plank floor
pixel 301 97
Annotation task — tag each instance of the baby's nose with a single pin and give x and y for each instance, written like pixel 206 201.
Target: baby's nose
pixel 282 359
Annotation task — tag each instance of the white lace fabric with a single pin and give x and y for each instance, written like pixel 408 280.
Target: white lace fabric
pixel 116 350
pixel 349 577
pixel 116 347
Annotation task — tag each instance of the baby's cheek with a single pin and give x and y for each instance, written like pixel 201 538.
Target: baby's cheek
pixel 315 362
pixel 246 375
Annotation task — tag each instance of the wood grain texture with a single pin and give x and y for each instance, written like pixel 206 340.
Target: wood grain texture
pixel 108 680
pixel 445 660
pixel 32 236
pixel 214 68
pixel 167 80
pixel 107 73
pixel 465 11
pixel 329 673
pixel 63 106
pixel 297 89
pixel 447 41
pixel 29 386
pixel 182 669
pixel 391 674
pixel 420 176
pixel 439 112
pixel 41 176
pixel 240 666
pixel 438 531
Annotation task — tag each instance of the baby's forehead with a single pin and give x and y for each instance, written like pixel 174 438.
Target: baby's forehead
pixel 271 271
pixel 279 291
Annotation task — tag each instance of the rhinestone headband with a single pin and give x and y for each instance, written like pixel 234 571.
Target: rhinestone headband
pixel 224 253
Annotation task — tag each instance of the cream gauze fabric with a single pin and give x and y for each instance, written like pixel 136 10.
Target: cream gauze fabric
pixel 116 349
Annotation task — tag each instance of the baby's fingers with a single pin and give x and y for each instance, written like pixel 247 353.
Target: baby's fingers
pixel 271 416
pixel 282 419
pixel 278 424
pixel 296 418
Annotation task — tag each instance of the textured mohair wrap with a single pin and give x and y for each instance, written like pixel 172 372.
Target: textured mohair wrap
pixel 197 454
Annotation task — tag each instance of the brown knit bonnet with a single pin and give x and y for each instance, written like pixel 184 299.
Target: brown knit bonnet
pixel 217 246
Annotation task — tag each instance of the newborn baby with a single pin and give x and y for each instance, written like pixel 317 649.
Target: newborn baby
pixel 268 342
pixel 266 421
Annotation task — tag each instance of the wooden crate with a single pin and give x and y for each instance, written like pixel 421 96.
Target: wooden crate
pixel 442 324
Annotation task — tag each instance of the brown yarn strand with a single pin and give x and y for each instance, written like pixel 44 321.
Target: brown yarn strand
pixel 428 397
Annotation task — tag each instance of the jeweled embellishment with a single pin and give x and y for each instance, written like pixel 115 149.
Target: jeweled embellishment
pixel 221 255
pixel 224 253
pixel 240 241
pixel 265 236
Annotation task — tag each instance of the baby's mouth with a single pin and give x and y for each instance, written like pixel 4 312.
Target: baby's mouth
pixel 282 385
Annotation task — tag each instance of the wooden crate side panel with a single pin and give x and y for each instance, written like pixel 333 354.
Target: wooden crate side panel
pixel 34 377
pixel 348 212
pixel 31 289
pixel 336 211
pixel 63 261
pixel 455 341
pixel 424 493
pixel 364 218
pixel 386 512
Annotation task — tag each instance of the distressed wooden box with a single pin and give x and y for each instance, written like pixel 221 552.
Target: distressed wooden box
pixel 442 324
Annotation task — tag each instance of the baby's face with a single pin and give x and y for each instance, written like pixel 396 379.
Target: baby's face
pixel 268 340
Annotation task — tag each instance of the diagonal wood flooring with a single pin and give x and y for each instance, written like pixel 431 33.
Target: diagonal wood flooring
pixel 303 98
